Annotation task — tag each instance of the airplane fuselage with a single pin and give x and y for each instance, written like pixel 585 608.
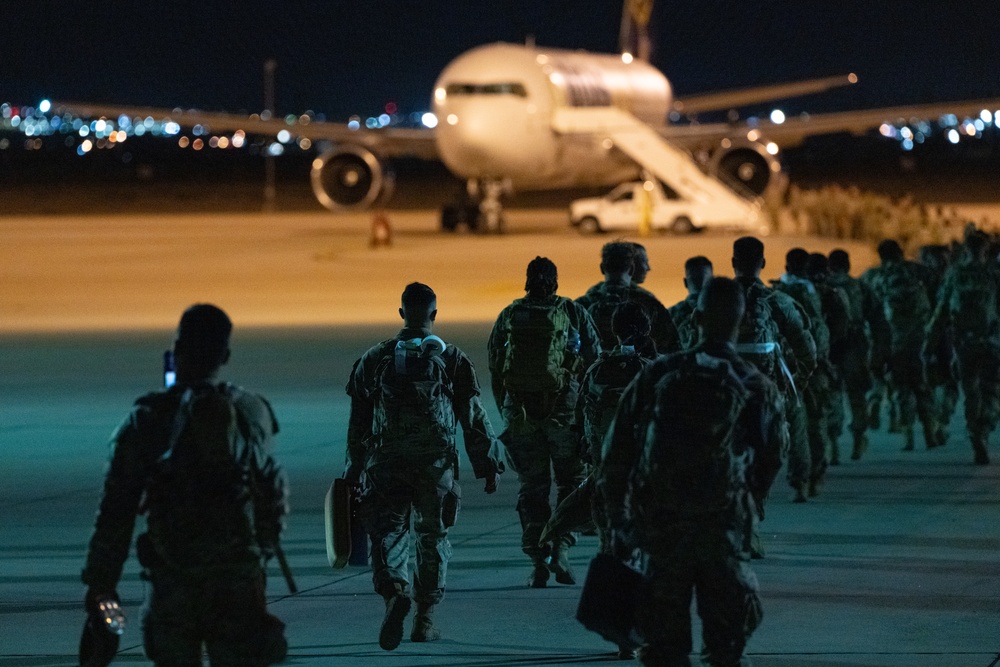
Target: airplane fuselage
pixel 495 106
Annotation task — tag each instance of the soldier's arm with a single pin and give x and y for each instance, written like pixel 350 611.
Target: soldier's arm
pixel 480 441
pixel 495 349
pixel 935 326
pixel 795 329
pixel 590 339
pixel 769 435
pixel 271 482
pixel 359 425
pixel 123 487
pixel 665 333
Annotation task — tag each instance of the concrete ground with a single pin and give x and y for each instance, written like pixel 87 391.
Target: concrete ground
pixel 894 564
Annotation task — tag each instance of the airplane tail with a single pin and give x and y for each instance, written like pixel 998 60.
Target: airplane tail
pixel 633 37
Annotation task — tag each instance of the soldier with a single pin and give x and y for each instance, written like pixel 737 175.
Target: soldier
pixel 539 349
pixel 199 454
pixel 640 264
pixel 941 378
pixel 850 355
pixel 772 327
pixel 967 306
pixel 809 418
pixel 617 265
pixel 835 312
pixel 901 288
pixel 697 272
pixel 694 448
pixel 406 395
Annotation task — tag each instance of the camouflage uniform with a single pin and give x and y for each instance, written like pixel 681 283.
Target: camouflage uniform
pixel 413 477
pixel 890 282
pixel 542 445
pixel 941 376
pixel 220 603
pixel 808 446
pixel 850 357
pixel 780 334
pixel 683 316
pixel 663 332
pixel 693 548
pixel 977 347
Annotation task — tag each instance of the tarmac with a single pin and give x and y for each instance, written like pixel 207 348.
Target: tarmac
pixel 894 564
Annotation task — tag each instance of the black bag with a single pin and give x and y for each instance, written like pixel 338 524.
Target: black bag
pixel 612 594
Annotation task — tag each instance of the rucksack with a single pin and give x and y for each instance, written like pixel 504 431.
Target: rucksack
pixel 536 355
pixel 199 495
pixel 689 465
pixel 904 296
pixel 607 382
pixel 973 302
pixel 602 312
pixel 413 402
pixel 758 330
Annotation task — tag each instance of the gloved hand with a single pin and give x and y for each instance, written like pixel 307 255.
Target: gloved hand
pixel 99 641
pixel 492 482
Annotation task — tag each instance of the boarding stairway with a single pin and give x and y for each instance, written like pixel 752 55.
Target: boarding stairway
pixel 657 156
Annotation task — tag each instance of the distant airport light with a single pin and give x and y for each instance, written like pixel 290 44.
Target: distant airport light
pixel 290 119
pixel 239 139
pixel 44 106
pixel 452 119
pixel 647 186
pixel 753 135
pixel 429 120
pixel 4 144
pixel 284 136
pixel 274 148
pixel 183 142
pixel 390 108
pixel 906 132
pixel 852 77
pixel 84 130
pixel 99 125
pixel 305 143
pixel 440 94
pixel 887 130
pixel 213 142
pixel 627 58
pixel 122 136
pixel 384 120
pixel 541 59
pixel 354 125
pixel 173 128
pixel 124 121
pixel 949 120
pixel 772 148
pixel 197 144
pixel 777 116
pixel 986 116
pixel 970 128
pixel 371 123
pixel 140 130
pixel 607 144
pixel 907 144
pixel 980 125
pixel 953 135
pixel 86 146
pixel 265 114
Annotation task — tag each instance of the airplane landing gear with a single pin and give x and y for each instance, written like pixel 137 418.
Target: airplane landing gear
pixel 478 206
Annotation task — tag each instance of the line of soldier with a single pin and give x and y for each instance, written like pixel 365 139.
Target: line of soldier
pixel 759 372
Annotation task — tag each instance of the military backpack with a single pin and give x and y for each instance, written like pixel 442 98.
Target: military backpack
pixel 972 304
pixel 602 312
pixel 904 296
pixel 413 407
pixel 689 465
pixel 607 382
pixel 537 358
pixel 200 495
pixel 758 332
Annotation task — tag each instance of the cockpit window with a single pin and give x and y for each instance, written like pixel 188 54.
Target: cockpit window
pixel 486 89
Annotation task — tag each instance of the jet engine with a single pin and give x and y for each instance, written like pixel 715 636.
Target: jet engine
pixel 746 165
pixel 350 177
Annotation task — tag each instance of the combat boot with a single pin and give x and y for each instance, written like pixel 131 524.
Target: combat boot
pixel 982 458
pixel 932 437
pixel 539 575
pixel 860 445
pixel 908 434
pixel 423 624
pixel 397 606
pixel 559 564
pixel 800 492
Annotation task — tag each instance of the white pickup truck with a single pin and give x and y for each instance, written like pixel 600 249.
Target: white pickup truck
pixel 622 209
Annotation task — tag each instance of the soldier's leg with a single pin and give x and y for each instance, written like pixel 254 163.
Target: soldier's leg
pixel 433 550
pixel 528 453
pixel 799 457
pixel 665 621
pixel 972 373
pixel 836 417
pixel 241 637
pixel 568 471
pixel 385 513
pixel 857 384
pixel 171 622
pixel 817 405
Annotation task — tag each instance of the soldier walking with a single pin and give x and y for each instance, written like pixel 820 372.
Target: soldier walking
pixel 697 273
pixel 407 395
pixel 539 349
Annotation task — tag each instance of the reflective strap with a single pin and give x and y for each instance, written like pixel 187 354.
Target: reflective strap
pixel 768 348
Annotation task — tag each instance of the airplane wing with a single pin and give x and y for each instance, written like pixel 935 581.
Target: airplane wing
pixel 731 99
pixel 389 142
pixel 794 130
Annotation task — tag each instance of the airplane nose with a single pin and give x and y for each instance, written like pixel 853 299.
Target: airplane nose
pixel 484 142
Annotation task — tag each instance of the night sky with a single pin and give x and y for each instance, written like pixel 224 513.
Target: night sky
pixel 338 58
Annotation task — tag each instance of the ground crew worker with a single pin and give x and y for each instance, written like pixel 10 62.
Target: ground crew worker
pixel 694 448
pixel 617 265
pixel 968 307
pixel 539 349
pixel 200 452
pixel 697 272
pixel 407 394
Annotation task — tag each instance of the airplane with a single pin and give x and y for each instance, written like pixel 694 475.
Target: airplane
pixel 520 117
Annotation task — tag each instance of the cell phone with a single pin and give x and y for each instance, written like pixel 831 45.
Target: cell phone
pixel 169 372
